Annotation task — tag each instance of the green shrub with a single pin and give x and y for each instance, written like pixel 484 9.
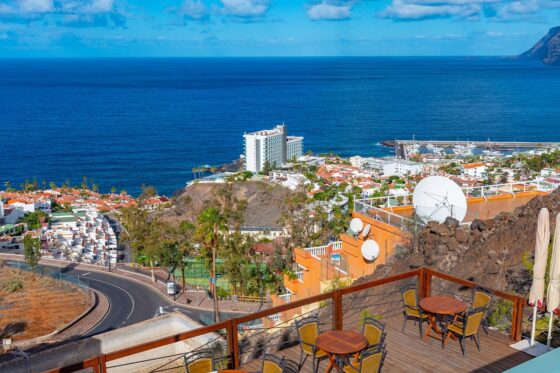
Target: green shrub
pixel 500 314
pixel 222 293
pixel 12 285
pixel 365 314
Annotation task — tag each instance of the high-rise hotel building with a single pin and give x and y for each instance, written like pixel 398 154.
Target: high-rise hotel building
pixel 273 146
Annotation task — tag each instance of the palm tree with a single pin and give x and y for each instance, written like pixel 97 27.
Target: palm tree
pixel 211 225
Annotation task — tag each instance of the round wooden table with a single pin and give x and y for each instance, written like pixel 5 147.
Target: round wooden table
pixel 341 343
pixel 441 306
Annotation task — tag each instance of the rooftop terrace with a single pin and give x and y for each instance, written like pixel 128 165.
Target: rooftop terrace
pixel 243 341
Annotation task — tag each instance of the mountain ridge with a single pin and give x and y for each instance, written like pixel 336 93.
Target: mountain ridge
pixel 547 49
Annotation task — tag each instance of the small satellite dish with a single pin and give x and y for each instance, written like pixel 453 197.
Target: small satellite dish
pixel 366 230
pixel 436 198
pixel 356 225
pixel 370 250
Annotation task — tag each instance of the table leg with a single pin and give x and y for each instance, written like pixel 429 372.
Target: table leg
pixel 431 326
pixel 332 362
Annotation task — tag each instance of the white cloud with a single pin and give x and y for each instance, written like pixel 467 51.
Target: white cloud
pixel 195 9
pixel 245 8
pixel 36 6
pixel 88 6
pixel 468 9
pixel 412 10
pixel 98 6
pixel 326 10
pixel 521 7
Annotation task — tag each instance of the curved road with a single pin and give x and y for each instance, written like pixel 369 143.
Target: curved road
pixel 130 301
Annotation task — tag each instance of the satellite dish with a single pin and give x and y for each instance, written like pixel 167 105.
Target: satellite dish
pixel 436 198
pixel 356 225
pixel 370 250
pixel 365 232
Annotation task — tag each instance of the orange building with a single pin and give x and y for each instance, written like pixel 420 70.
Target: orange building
pixel 322 268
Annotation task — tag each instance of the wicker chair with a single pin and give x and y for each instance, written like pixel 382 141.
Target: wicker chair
pixel 272 364
pixel 308 331
pixel 290 366
pixel 467 329
pixel 370 361
pixel 374 331
pixel 482 297
pixel 411 311
pixel 200 362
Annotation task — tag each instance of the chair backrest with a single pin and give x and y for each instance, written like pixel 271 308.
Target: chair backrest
pixel 482 297
pixel 201 361
pixel 473 319
pixel 372 359
pixel 373 330
pixel 201 365
pixel 410 298
pixel 308 331
pixel 272 364
pixel 290 366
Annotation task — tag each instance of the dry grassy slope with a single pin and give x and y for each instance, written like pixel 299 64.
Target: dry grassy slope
pixel 264 201
pixel 489 252
pixel 40 307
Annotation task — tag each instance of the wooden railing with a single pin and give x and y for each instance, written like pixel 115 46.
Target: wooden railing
pixel 424 275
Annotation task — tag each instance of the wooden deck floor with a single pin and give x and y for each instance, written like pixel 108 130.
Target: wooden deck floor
pixel 408 353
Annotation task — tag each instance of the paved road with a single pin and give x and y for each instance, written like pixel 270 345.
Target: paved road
pixel 130 301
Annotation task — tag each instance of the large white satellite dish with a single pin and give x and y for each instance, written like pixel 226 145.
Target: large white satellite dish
pixel 366 230
pixel 370 250
pixel 356 225
pixel 436 198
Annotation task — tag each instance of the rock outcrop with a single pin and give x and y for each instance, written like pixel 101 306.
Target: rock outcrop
pixel 547 49
pixel 264 201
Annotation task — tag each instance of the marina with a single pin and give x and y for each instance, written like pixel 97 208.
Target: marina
pixel 405 148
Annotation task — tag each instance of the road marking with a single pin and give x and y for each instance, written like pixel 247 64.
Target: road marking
pixel 85 274
pixel 130 296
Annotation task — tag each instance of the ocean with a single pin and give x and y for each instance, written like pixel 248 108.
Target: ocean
pixel 128 122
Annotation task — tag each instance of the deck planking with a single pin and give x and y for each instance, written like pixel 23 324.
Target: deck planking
pixel 408 353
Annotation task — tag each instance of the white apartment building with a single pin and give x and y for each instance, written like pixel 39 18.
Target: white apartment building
pixel 294 147
pixel 475 170
pixel 272 146
pixel 389 167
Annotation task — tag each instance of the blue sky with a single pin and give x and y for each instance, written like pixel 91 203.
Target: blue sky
pixel 122 28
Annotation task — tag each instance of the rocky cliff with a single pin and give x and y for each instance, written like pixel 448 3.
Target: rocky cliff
pixel 264 201
pixel 547 49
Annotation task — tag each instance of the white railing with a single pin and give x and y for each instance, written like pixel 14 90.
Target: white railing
pixel 276 317
pixel 299 275
pixel 286 298
pixel 322 250
pixel 255 326
pixel 317 250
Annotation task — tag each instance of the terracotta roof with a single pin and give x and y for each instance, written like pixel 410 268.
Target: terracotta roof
pixel 473 165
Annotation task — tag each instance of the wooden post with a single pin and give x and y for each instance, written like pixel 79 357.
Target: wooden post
pixel 517 319
pixel 425 282
pixel 337 309
pixel 520 324
pixel 102 363
pixel 422 280
pixel 233 343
